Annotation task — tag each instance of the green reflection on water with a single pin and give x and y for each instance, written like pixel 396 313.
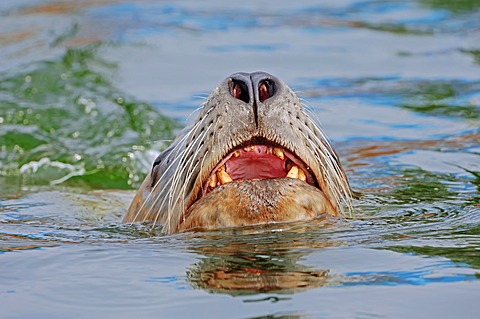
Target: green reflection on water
pixel 475 53
pixel 63 120
pixel 442 99
pixel 453 5
pixel 423 187
pixel 467 254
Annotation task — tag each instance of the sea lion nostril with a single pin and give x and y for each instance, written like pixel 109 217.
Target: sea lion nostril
pixel 266 89
pixel 239 90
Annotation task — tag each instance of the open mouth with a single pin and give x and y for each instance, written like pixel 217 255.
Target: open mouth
pixel 256 162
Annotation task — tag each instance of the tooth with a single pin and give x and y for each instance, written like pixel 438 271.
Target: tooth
pixel 252 147
pixel 279 153
pixel 236 154
pixel 293 172
pixel 223 176
pixel 246 149
pixel 301 175
pixel 212 182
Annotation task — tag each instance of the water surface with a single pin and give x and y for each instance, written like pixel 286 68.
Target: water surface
pixel 92 91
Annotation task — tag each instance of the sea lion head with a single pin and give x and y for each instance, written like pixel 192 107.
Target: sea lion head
pixel 254 155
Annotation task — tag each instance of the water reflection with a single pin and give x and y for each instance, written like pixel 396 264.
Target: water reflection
pixel 63 7
pixel 259 261
pixel 279 262
pixel 454 6
pixel 283 316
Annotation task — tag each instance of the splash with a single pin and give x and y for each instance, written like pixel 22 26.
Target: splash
pixel 64 122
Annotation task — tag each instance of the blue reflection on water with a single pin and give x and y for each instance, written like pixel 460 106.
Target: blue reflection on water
pixel 248 47
pixel 423 276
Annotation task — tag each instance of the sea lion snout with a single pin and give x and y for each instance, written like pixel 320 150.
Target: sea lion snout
pixel 253 134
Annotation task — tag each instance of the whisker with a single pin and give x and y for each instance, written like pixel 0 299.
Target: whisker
pixel 188 168
pixel 177 180
pixel 332 171
pixel 177 153
pixel 195 111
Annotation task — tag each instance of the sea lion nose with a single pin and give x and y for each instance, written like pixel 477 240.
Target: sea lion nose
pixel 252 87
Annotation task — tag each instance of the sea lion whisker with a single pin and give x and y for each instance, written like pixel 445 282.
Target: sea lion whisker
pixel 184 195
pixel 186 158
pixel 306 107
pixel 147 199
pixel 187 168
pixel 201 96
pixel 168 225
pixel 320 152
pixel 184 168
pixel 156 197
pixel 176 150
pixel 299 93
pixel 178 189
pixel 332 189
pixel 171 193
pixel 339 188
pixel 188 165
pixel 327 152
pixel 312 118
pixel 194 112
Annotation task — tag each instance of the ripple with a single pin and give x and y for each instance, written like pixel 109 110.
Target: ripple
pixel 81 88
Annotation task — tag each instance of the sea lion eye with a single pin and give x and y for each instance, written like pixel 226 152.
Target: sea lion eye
pixel 266 89
pixel 239 91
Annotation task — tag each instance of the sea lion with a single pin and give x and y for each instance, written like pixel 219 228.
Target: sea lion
pixel 254 155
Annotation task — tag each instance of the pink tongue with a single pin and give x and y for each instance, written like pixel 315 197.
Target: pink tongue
pixel 255 164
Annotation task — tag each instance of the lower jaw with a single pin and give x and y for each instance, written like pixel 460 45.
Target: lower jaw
pixel 253 202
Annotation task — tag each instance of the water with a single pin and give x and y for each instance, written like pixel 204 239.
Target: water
pixel 91 91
